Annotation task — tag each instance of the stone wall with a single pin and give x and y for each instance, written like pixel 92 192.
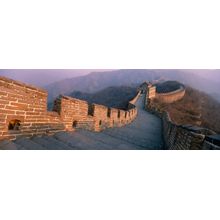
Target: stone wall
pixel 209 146
pixel 73 112
pixel 182 137
pixel 76 113
pixel 152 92
pixel 177 137
pixel 23 112
pixel 170 97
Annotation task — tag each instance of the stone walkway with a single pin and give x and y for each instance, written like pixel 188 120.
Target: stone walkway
pixel 144 133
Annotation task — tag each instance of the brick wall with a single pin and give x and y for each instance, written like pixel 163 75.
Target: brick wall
pixel 76 113
pixel 151 92
pixel 209 146
pixel 73 112
pixel 100 114
pixel 171 96
pixel 180 137
pixel 23 112
pixel 27 106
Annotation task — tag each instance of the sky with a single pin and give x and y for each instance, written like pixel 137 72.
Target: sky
pixel 43 77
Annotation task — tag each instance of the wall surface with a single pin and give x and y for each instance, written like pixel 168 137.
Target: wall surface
pixel 180 137
pixel 23 112
pixel 76 113
pixel 171 96
pixel 28 106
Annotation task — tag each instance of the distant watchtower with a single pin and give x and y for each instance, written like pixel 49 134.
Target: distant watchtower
pixel 148 89
pixel 143 87
pixel 151 91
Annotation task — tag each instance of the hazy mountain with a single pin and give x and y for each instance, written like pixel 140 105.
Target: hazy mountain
pixel 66 81
pixel 97 81
pixel 212 75
pixel 117 97
pixel 43 77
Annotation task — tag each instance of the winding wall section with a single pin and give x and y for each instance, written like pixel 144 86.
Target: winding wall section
pixel 27 106
pixel 170 97
pixel 183 137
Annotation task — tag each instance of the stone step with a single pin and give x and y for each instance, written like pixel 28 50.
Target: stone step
pixel 46 143
pixel 28 144
pixel 56 143
pixel 78 141
pixel 134 140
pixel 8 145
pixel 65 138
pixel 112 142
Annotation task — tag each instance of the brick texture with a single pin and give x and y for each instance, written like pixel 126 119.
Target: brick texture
pixel 27 106
pixel 180 137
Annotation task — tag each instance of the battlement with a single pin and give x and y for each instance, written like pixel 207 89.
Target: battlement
pixel 168 97
pixel 76 113
pixel 180 137
pixel 24 112
pixel 184 137
pixel 171 97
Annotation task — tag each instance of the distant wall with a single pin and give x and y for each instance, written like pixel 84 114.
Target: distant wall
pixel 152 92
pixel 76 113
pixel 180 137
pixel 171 96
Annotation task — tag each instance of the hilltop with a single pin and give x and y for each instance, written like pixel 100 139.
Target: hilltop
pixel 196 108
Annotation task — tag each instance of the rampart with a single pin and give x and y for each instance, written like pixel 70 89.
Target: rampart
pixel 23 112
pixel 183 137
pixel 170 97
pixel 76 113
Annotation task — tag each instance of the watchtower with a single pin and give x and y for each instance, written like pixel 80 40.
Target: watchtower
pixel 151 91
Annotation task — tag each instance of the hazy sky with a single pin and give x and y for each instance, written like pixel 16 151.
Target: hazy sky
pixel 42 77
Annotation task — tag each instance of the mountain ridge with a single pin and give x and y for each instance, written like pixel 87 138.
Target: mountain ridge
pixel 97 81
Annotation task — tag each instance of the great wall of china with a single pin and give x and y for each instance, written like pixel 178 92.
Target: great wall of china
pixel 179 137
pixel 24 112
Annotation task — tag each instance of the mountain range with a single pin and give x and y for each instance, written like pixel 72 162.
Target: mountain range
pixel 43 77
pixel 97 81
pixel 116 97
pixel 66 81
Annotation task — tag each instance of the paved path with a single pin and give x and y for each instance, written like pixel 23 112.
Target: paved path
pixel 145 132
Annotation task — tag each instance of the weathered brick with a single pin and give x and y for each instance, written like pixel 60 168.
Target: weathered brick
pixel 29 104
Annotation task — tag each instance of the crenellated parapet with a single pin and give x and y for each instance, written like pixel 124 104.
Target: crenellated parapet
pixel 171 97
pixel 181 137
pixel 23 112
pixel 168 97
pixel 76 113
pixel 184 137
